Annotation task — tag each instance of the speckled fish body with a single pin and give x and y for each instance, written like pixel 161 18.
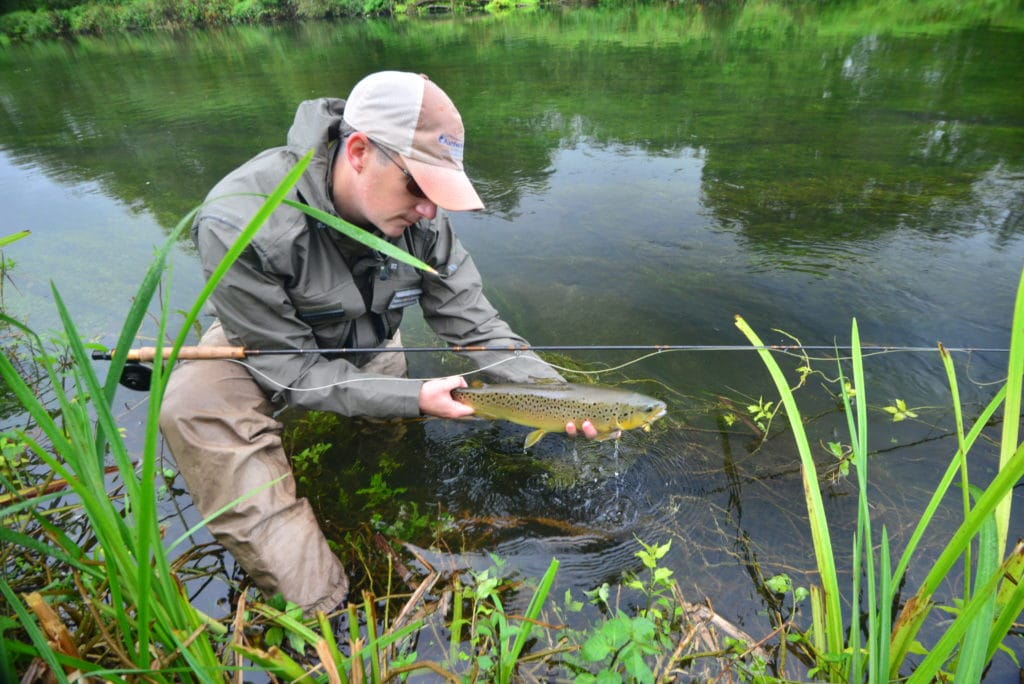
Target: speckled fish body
pixel 549 406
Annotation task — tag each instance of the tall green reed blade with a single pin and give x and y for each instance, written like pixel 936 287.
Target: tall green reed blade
pixel 856 669
pixel 944 484
pixel 1009 599
pixel 13 237
pixel 142 498
pixel 830 600
pixel 140 306
pixel 977 610
pixel 134 559
pixel 162 368
pixel 274 199
pixel 508 661
pixel 886 600
pixel 360 235
pixel 994 498
pixel 970 660
pixel 961 457
pixel 864 561
pixel 84 469
pixel 1011 412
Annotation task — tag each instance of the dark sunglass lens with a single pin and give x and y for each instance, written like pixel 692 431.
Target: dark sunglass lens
pixel 414 188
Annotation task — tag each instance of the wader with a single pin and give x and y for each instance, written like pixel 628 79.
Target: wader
pixel 221 431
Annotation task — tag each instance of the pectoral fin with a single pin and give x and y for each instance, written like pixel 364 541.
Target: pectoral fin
pixel 605 436
pixel 533 438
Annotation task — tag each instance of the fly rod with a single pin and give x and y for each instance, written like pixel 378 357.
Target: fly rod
pixel 144 354
pixel 136 376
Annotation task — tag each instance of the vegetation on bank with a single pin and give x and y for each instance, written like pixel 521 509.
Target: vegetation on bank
pixel 97 17
pixel 30 20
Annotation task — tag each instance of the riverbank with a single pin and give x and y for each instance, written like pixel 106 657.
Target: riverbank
pixel 33 21
pixel 98 18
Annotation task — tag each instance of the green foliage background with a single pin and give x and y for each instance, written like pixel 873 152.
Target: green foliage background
pixel 28 20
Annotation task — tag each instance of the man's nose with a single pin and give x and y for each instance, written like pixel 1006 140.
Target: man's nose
pixel 426 209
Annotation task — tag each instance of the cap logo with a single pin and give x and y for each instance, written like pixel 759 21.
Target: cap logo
pixel 454 145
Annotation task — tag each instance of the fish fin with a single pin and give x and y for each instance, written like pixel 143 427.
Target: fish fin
pixel 476 384
pixel 533 438
pixel 605 436
pixel 546 381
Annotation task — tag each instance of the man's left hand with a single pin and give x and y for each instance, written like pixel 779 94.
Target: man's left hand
pixel 589 431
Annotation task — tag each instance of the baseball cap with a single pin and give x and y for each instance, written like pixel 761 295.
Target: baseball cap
pixel 410 115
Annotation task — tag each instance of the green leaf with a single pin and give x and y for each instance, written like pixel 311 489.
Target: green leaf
pixel 779 584
pixel 8 239
pixel 570 604
pixel 360 235
pixel 596 648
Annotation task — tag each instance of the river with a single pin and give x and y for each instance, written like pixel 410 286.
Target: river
pixel 649 174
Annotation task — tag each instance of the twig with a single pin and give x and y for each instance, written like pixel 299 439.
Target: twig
pixel 238 638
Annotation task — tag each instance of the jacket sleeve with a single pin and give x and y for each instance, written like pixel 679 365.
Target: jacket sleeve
pixel 455 307
pixel 256 312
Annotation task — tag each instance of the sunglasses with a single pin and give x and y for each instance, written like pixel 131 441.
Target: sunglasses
pixel 411 185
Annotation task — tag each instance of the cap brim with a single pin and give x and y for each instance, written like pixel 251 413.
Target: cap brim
pixel 447 188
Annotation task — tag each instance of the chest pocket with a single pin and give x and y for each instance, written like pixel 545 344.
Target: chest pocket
pixel 330 312
pixel 401 287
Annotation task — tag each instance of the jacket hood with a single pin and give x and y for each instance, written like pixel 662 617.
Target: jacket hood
pixel 317 127
pixel 317 123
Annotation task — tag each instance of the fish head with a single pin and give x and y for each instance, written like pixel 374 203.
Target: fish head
pixel 641 412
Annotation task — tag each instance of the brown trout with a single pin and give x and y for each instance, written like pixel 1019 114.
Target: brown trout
pixel 549 406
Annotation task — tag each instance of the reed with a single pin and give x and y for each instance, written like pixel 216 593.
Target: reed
pixel 159 631
pixel 125 577
pixel 992 595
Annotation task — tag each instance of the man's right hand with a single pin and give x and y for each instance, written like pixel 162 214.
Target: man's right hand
pixel 436 398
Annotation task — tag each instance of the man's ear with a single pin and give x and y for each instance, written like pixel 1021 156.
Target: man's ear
pixel 357 151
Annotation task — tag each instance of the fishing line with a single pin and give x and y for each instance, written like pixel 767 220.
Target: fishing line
pixel 377 378
pixel 787 350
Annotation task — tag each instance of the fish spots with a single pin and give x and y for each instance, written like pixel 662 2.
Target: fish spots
pixel 549 407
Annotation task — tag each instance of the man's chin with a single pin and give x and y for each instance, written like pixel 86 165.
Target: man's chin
pixel 394 230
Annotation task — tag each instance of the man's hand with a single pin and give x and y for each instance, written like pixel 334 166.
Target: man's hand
pixel 436 398
pixel 589 431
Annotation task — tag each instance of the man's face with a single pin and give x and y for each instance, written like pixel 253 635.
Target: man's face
pixel 378 192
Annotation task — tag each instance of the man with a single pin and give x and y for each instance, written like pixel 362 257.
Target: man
pixel 385 159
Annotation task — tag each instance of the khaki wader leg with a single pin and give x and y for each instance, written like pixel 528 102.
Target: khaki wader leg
pixel 219 426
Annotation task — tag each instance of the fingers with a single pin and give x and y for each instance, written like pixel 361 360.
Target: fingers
pixel 588 429
pixel 436 398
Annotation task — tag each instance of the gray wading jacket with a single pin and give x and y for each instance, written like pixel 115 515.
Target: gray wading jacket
pixel 301 284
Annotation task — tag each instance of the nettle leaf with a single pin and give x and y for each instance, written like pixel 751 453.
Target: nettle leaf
pixel 638 668
pixel 596 648
pixel 643 629
pixel 618 630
